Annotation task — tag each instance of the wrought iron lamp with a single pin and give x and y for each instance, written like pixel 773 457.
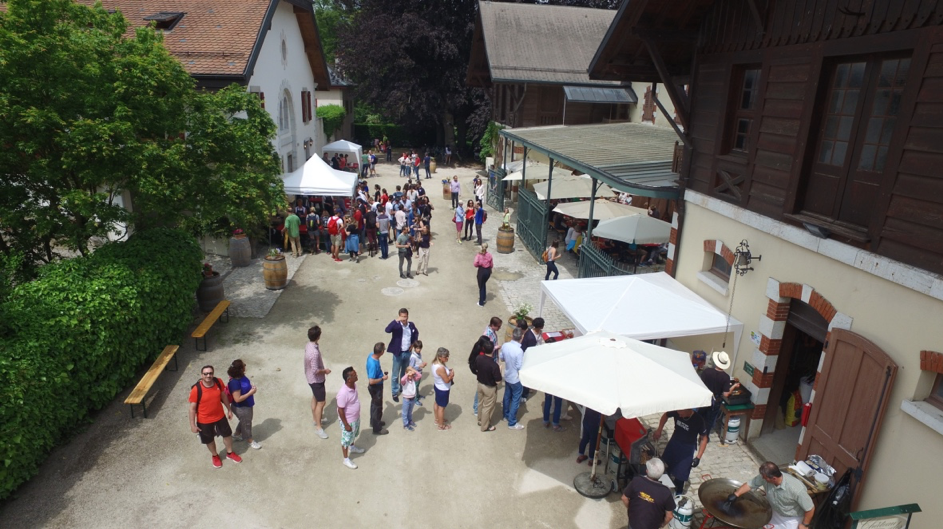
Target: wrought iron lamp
pixel 743 258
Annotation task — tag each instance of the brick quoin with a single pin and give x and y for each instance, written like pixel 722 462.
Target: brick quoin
pixel 670 267
pixel 774 347
pixel 790 290
pixel 761 380
pixel 759 412
pixel 709 245
pixel 777 311
pixel 931 361
pixel 673 238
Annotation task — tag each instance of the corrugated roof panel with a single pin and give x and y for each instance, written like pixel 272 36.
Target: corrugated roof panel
pixel 595 94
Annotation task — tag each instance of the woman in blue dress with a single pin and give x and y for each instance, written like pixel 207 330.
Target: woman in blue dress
pixel 353 241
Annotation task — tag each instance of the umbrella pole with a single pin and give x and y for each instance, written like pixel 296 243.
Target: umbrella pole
pixel 596 456
pixel 588 483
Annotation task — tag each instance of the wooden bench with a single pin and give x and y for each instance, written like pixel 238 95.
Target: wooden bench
pixel 138 393
pixel 200 332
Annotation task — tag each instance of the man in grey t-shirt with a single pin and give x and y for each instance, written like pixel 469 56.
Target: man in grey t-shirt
pixel 383 227
pixel 405 253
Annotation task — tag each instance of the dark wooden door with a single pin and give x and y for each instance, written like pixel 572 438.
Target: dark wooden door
pixel 851 397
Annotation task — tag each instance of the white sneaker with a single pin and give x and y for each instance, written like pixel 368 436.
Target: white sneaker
pixel 350 464
pixel 321 433
pixel 356 449
pixel 255 445
pixel 517 426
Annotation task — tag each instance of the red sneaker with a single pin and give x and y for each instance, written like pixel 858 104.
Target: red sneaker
pixel 234 457
pixel 217 462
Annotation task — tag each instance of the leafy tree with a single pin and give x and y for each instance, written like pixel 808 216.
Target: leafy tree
pixel 89 114
pixel 332 116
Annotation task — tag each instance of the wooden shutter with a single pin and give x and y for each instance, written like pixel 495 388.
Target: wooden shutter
pixel 262 98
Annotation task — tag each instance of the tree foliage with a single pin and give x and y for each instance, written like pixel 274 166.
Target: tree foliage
pixel 89 114
pixel 74 338
pixel 332 116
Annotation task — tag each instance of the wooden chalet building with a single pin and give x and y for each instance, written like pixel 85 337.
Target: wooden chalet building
pixel 814 133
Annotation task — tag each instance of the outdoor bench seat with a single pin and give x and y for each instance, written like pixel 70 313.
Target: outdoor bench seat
pixel 140 391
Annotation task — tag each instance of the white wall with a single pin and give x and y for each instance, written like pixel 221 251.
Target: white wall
pixel 273 77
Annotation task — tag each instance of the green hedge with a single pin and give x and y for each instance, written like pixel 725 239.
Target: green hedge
pixel 74 338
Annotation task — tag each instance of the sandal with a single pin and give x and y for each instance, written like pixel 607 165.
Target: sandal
pixel 580 458
pixel 491 429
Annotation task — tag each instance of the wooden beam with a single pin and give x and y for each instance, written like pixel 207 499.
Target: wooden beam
pixel 682 135
pixel 757 16
pixel 678 97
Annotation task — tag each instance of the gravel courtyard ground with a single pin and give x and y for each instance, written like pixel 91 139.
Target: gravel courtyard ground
pixel 124 472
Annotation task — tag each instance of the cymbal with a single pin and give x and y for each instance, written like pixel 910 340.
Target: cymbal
pixel 750 511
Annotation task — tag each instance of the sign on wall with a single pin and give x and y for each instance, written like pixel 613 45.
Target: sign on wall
pixel 897 517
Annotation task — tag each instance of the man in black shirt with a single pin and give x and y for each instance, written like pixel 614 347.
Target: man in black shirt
pixel 679 456
pixel 718 381
pixel 370 227
pixel 650 504
pixel 489 374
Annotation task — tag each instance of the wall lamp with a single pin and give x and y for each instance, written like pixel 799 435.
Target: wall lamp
pixel 743 258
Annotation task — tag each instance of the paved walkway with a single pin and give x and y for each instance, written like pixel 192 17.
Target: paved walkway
pixel 122 472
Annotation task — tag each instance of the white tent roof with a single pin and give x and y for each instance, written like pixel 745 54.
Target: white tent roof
pixel 318 178
pixel 644 307
pixel 344 146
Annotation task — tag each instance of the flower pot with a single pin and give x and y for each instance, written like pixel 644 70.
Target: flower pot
pixel 275 272
pixel 446 192
pixel 210 292
pixel 240 251
pixel 512 323
pixel 432 165
pixel 505 241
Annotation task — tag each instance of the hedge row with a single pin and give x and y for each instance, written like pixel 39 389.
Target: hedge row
pixel 74 338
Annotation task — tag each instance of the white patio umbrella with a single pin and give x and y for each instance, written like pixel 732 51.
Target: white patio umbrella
pixel 571 187
pixel 537 172
pixel 608 372
pixel 604 209
pixel 634 229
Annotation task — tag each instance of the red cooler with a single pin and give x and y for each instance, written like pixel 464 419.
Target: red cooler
pixel 628 433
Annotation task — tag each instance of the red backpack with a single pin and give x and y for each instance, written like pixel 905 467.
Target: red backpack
pixel 332 226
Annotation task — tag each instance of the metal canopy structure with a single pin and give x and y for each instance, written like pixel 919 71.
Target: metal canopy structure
pixel 630 157
pixel 590 94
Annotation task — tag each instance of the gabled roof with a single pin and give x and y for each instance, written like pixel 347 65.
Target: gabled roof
pixel 218 41
pixel 535 43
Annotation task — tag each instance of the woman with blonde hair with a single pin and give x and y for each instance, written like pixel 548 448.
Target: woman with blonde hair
pixel 484 263
pixel 443 377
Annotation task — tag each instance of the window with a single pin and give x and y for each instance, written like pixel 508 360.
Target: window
pixel 290 163
pixel 284 115
pixel 720 267
pixel 936 394
pixel 164 21
pixel 305 106
pixel 744 106
pixel 859 115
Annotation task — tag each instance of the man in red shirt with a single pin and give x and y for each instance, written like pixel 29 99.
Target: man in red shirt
pixel 207 419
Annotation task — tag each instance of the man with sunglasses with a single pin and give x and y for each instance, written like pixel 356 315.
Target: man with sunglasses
pixel 207 419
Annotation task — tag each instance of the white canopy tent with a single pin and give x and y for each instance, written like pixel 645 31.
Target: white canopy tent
pixel 644 307
pixel 344 147
pixel 318 178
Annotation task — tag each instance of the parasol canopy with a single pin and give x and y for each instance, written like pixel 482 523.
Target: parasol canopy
pixel 603 210
pixel 634 229
pixel 571 187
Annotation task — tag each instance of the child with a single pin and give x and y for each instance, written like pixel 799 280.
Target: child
pixel 409 397
pixel 415 362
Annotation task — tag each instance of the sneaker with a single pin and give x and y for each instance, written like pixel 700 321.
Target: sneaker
pixel 356 449
pixel 559 428
pixel 410 428
pixel 395 398
pixel 523 400
pixel 381 432
pixel 401 276
pixel 350 464
pixel 217 462
pixel 234 457
pixel 255 445
pixel 517 426
pixel 479 304
pixel 321 433
pixel 413 424
pixel 419 403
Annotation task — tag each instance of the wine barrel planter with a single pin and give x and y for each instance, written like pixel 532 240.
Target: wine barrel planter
pixel 512 323
pixel 432 165
pixel 210 292
pixel 446 192
pixel 505 241
pixel 275 272
pixel 240 251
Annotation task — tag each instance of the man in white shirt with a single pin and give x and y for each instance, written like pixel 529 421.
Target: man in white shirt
pixel 513 356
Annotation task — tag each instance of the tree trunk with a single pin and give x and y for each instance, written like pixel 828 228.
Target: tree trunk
pixel 448 129
pixel 461 143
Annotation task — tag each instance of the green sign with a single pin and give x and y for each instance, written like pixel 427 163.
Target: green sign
pixel 748 368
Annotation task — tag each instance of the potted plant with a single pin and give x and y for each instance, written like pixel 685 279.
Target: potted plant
pixel 240 250
pixel 275 270
pixel 446 189
pixel 519 314
pixel 210 292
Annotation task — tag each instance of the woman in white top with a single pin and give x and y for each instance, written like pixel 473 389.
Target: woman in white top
pixel 480 192
pixel 551 260
pixel 442 377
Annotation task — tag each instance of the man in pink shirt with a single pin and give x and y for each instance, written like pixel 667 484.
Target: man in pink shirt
pixel 314 373
pixel 348 411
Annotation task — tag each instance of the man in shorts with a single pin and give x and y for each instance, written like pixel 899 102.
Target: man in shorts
pixel 207 419
pixel 348 411
pixel 315 373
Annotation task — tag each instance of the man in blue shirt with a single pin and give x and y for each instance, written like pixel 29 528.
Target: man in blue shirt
pixel 513 356
pixel 375 378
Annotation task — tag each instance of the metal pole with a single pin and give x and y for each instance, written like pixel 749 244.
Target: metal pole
pixel 592 206
pixel 549 180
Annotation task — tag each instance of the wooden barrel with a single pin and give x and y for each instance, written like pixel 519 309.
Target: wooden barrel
pixel 432 165
pixel 210 292
pixel 446 192
pixel 240 251
pixel 275 273
pixel 505 241
pixel 512 323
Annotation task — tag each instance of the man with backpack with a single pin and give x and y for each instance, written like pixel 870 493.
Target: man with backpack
pixel 313 220
pixel 334 227
pixel 207 398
